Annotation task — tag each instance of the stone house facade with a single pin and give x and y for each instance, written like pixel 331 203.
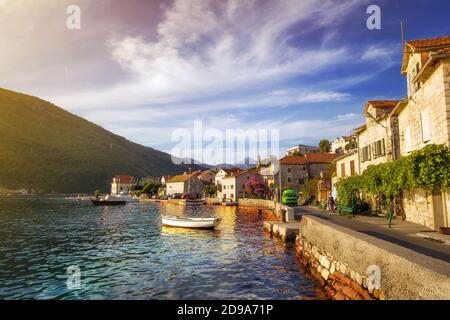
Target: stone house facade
pixel 423 118
pixel 233 185
pixel 186 184
pixel 347 165
pixel 374 139
pixel 296 171
pixel 396 128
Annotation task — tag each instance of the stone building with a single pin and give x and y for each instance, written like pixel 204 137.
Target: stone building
pixel 186 184
pixel 423 118
pixel 297 170
pixel 396 128
pixel 122 184
pixel 374 138
pixel 347 165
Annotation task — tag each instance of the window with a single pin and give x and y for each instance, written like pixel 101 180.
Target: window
pixel 425 124
pixel 378 149
pixel 366 154
pixel 289 170
pixel 224 187
pixel 231 187
pixel 231 196
pixel 352 167
pixel 301 181
pixel 343 169
pixel 408 141
pixel 288 179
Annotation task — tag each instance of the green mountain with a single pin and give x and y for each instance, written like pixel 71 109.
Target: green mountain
pixel 44 147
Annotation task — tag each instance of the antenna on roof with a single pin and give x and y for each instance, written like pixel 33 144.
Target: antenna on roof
pixel 403 35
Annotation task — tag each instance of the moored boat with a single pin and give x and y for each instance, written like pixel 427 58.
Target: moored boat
pixel 109 201
pixel 188 222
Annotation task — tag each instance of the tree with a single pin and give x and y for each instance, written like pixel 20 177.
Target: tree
pixel 256 187
pixel 296 153
pixel 324 146
pixel 98 193
pixel 210 190
pixel 150 188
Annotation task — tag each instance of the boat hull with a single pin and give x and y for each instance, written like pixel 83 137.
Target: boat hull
pixel 108 203
pixel 191 223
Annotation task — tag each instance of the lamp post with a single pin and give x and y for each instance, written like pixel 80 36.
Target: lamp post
pixel 189 182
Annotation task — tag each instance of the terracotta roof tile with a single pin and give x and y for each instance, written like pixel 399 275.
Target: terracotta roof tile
pixel 182 177
pixel 384 103
pixel 124 178
pixel 429 43
pixel 293 160
pixel 309 158
pixel 321 157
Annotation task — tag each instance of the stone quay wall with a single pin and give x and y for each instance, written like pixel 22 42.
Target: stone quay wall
pixel 354 266
pixel 257 203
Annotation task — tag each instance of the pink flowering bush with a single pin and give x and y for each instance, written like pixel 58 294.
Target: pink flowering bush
pixel 256 187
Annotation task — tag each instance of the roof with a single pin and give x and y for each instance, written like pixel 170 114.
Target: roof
pixel 124 178
pixel 309 158
pixel 206 173
pixel 385 106
pixel 383 103
pixel 429 43
pixel 425 46
pixel 345 155
pixel 293 160
pixel 241 172
pixel 182 177
pixel 360 129
pixel 321 157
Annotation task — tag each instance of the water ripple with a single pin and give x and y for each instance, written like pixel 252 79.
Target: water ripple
pixel 125 253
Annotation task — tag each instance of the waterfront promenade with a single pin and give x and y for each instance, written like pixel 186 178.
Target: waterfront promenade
pixel 402 233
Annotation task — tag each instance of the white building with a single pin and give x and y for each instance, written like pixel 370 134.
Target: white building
pixel 121 183
pixel 339 145
pixel 302 149
pixel 233 185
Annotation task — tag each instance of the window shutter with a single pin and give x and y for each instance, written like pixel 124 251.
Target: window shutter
pixel 408 142
pixel 425 123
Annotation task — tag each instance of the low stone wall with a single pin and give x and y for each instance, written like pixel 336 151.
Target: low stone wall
pixel 213 201
pixel 284 212
pixel 343 260
pixel 257 203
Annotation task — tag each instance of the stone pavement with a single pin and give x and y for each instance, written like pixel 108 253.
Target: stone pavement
pixel 406 234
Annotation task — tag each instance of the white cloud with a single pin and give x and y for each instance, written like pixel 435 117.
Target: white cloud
pixel 381 53
pixel 209 48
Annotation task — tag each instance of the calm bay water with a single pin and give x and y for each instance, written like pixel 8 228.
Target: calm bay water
pixel 125 253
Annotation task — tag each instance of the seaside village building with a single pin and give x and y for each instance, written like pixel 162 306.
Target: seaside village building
pixel 396 128
pixel 340 145
pixel 186 184
pixel 121 184
pixel 233 184
pixel 297 170
pixel 302 149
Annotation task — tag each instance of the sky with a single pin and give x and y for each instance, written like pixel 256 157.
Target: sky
pixel 144 69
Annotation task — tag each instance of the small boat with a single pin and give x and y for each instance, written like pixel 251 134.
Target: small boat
pixel 109 201
pixel 187 222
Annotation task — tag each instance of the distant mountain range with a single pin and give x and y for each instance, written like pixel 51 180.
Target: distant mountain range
pixel 46 148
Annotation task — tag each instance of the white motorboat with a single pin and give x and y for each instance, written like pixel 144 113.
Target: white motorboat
pixel 188 222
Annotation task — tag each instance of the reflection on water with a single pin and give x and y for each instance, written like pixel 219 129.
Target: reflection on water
pixel 125 253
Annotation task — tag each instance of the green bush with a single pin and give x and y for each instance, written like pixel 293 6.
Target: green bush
pixel 428 168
